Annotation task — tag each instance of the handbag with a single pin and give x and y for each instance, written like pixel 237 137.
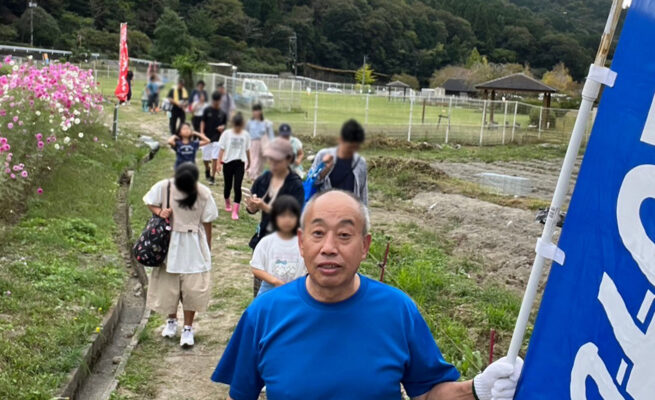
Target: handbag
pixel 152 247
pixel 167 105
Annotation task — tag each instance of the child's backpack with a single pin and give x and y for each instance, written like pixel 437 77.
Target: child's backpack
pixel 152 247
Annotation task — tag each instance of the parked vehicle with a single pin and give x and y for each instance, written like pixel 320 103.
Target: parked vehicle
pixel 254 91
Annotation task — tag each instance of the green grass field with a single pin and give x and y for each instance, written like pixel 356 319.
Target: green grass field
pixel 391 117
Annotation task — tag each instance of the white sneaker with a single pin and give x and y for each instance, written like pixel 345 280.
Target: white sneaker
pixel 170 330
pixel 187 337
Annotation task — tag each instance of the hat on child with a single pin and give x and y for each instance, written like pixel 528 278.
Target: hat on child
pixel 284 130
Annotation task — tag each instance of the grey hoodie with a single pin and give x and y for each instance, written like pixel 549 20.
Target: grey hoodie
pixel 359 171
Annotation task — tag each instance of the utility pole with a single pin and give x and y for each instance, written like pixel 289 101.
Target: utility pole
pixel 31 5
pixel 293 52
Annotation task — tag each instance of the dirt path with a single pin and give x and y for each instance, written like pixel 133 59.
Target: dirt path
pixel 502 238
pixel 184 373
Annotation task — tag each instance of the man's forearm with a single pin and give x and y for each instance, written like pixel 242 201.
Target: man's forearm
pixel 449 391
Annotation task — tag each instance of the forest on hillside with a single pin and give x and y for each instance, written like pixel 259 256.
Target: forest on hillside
pixel 414 37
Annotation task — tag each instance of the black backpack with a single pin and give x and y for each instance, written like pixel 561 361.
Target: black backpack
pixel 152 247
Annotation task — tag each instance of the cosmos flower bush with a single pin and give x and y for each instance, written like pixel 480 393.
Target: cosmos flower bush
pixel 43 111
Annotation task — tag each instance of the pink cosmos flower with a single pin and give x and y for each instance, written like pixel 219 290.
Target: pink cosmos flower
pixel 23 174
pixel 15 118
pixel 12 176
pixel 38 136
pixel 7 171
pixel 40 145
pixel 39 191
pixel 10 126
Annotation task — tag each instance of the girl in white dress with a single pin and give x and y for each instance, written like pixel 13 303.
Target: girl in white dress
pixel 184 277
pixel 277 259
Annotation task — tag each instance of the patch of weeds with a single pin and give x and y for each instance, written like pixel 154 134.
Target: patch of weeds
pixel 137 380
pixel 459 311
pixel 400 178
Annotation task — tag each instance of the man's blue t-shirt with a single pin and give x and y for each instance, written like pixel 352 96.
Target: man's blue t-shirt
pixel 186 152
pixel 361 348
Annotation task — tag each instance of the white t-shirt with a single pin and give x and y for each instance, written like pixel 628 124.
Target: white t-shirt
pixel 234 145
pixel 280 258
pixel 188 252
pixel 198 108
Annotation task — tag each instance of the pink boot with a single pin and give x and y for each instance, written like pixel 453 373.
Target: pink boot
pixel 228 207
pixel 235 211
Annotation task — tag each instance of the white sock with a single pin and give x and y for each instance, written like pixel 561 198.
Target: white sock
pixel 188 327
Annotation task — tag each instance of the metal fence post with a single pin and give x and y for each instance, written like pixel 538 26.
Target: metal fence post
pixel 541 112
pixel 450 106
pixel 366 111
pixel 213 82
pixel 315 112
pixel 516 108
pixel 411 111
pixel 484 117
pixel 114 127
pixel 504 122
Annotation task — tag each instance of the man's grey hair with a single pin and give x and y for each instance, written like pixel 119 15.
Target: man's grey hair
pixel 363 210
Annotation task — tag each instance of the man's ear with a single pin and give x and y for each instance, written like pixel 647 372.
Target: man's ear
pixel 367 245
pixel 299 234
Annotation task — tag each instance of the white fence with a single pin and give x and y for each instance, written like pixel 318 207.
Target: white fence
pixel 320 108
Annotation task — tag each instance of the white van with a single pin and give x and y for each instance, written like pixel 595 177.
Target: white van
pixel 255 91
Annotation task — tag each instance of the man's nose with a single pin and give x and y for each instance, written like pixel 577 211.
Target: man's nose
pixel 329 247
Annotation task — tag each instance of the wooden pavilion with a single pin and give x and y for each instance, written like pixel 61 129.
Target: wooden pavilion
pixel 515 83
pixel 397 86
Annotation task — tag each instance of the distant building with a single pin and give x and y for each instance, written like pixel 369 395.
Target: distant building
pixel 458 88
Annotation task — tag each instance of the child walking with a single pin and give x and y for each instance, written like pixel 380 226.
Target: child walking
pixel 234 153
pixel 184 145
pixel 277 258
pixel 184 277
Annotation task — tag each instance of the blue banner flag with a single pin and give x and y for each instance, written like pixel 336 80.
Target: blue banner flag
pixel 594 336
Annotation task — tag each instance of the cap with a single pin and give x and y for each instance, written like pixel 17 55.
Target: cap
pixel 278 149
pixel 284 130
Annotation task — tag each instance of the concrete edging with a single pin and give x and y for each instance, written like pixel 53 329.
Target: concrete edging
pixel 99 341
pixel 93 350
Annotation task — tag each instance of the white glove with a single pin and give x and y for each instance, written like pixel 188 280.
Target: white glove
pixel 498 380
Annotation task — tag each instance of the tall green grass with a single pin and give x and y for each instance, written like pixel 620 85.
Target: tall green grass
pixel 459 311
pixel 60 269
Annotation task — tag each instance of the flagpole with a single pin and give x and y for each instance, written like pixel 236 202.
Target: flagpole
pixel 589 95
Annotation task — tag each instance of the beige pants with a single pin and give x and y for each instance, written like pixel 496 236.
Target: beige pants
pixel 257 157
pixel 166 291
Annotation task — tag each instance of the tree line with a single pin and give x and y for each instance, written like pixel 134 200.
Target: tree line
pixel 411 37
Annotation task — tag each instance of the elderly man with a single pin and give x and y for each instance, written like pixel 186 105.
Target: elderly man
pixel 336 334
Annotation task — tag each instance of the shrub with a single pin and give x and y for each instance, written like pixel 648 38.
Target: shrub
pixel 534 118
pixel 43 113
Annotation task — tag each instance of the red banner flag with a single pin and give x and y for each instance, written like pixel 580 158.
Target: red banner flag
pixel 122 88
